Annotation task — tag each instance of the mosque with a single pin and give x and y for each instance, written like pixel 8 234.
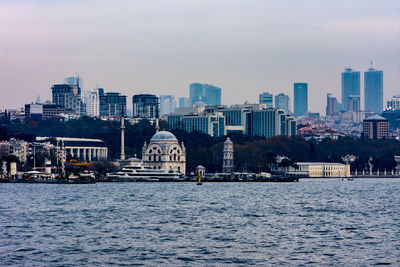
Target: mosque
pixel 164 152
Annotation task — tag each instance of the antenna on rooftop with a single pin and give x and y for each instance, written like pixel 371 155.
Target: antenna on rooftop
pixel 371 63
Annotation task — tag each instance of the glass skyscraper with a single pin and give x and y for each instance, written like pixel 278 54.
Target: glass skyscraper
pixel 145 106
pixel 300 98
pixel 205 93
pixel 373 90
pixel 350 86
pixel 282 101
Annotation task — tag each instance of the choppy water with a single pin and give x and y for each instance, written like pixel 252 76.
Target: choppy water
pixel 314 222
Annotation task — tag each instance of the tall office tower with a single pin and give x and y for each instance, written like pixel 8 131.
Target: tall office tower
pixel 167 104
pixel 353 103
pixel 92 100
pixel 112 104
pixel 69 97
pixel 300 98
pixel 266 99
pixel 373 90
pixel 282 101
pixel 184 102
pixel 145 106
pixel 74 80
pixel 394 103
pixel 350 86
pixel 205 93
pixel 331 105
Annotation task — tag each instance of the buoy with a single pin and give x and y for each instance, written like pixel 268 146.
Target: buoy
pixel 199 182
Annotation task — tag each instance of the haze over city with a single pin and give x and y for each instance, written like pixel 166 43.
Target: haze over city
pixel 160 47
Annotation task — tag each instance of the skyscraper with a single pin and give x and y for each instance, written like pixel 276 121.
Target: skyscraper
pixel 353 103
pixel 350 86
pixel 145 106
pixel 205 93
pixel 282 101
pixel 92 100
pixel 331 105
pixel 69 97
pixel 184 102
pixel 373 90
pixel 266 99
pixel 300 98
pixel 167 104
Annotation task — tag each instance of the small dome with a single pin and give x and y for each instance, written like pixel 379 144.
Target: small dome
pixel 163 136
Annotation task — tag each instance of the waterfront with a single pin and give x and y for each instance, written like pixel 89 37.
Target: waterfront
pixel 327 222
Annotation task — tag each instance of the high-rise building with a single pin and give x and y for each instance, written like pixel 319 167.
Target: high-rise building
pixel 92 100
pixel 300 98
pixel 266 99
pixel 167 104
pixel 184 102
pixel 145 106
pixel 376 127
pixel 331 105
pixel 205 93
pixel 350 86
pixel 112 104
pixel 282 102
pixel 394 103
pixel 74 80
pixel 373 90
pixel 353 103
pixel 69 97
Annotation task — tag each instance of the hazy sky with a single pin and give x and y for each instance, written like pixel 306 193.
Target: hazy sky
pixel 160 46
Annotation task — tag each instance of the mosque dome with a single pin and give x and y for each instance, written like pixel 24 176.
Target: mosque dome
pixel 163 136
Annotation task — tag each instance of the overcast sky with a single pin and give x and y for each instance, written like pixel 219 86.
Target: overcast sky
pixel 160 46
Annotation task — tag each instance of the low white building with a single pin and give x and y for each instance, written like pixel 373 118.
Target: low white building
pixel 82 149
pixel 321 169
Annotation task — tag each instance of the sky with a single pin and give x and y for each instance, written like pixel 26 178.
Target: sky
pixel 161 46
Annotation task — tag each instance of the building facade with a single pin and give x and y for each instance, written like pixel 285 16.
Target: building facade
pixel 145 106
pixel 350 86
pixel 69 97
pixel 331 105
pixel 282 101
pixel 300 98
pixel 92 100
pixel 82 149
pixel 112 104
pixel 184 102
pixel 321 169
pixel 266 99
pixel 373 90
pixel 376 127
pixel 164 152
pixel 43 111
pixel 353 103
pixel 167 104
pixel 212 124
pixel 204 93
pixel 394 103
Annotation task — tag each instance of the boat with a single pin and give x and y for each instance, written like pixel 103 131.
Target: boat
pixel 140 172
pixel 346 179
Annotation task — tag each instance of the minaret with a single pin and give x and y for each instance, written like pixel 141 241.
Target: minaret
pixel 122 135
pixel 227 165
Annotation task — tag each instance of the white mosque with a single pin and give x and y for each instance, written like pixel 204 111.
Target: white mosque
pixel 164 152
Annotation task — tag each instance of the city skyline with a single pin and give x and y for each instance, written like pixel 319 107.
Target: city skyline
pixel 113 45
